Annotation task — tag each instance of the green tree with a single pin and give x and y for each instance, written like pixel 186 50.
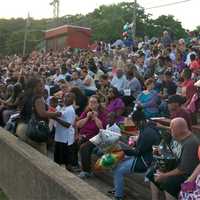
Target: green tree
pixel 106 22
pixel 198 29
pixel 168 23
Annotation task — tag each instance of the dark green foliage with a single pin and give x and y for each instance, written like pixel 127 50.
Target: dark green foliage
pixel 2 196
pixel 106 22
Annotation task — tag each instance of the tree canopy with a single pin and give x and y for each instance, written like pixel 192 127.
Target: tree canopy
pixel 106 22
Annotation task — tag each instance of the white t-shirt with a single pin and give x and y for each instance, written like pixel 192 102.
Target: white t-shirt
pixel 63 134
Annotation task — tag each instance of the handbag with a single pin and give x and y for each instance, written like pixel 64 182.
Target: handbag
pixel 38 130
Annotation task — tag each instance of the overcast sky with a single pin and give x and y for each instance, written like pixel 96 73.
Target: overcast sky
pixel 188 13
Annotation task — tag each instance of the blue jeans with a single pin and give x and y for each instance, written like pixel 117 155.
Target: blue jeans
pixel 122 169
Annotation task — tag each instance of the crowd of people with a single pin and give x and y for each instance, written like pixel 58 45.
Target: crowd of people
pixel 79 92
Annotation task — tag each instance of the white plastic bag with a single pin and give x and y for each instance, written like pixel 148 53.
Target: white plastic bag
pixel 105 139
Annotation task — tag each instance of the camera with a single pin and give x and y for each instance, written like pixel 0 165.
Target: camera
pixel 166 160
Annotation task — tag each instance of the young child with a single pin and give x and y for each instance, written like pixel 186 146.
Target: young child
pixel 53 104
pixel 52 108
pixel 112 126
pixel 65 133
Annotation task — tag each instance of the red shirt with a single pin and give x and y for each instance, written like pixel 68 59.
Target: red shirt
pixel 188 90
pixel 51 109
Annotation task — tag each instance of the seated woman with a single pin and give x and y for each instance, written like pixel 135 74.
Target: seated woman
pixel 115 104
pixel 11 105
pixel 187 87
pixel 139 158
pixel 149 100
pixel 194 105
pixel 91 121
pixel 6 93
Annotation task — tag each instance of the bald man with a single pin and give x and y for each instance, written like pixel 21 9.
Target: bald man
pixel 171 181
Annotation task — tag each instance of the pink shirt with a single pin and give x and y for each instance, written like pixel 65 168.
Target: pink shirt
pixel 188 90
pixel 90 129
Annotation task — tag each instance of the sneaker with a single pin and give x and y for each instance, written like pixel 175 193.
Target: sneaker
pixel 111 192
pixel 85 175
pixel 76 169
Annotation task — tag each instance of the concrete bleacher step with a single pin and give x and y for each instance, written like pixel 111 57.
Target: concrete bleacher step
pixel 135 187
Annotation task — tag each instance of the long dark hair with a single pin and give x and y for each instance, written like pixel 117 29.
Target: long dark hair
pixel 115 91
pixel 28 98
pixel 79 95
pixel 31 85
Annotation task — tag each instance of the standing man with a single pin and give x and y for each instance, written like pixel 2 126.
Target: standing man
pixel 166 39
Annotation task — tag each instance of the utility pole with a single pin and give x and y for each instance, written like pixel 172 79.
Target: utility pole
pixel 56 10
pixel 26 34
pixel 134 19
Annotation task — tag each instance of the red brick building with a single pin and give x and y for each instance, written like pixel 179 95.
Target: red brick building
pixel 67 36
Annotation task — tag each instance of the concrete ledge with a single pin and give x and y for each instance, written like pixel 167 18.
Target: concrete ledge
pixel 25 174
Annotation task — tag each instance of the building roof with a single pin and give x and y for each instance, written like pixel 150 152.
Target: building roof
pixel 68 26
pixel 65 29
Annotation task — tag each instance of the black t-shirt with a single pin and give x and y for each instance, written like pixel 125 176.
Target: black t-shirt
pixel 170 87
pixel 189 155
pixel 148 137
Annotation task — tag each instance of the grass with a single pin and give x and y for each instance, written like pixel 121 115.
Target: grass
pixel 2 196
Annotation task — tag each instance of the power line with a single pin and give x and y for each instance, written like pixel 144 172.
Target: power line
pixel 168 4
pixel 149 1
